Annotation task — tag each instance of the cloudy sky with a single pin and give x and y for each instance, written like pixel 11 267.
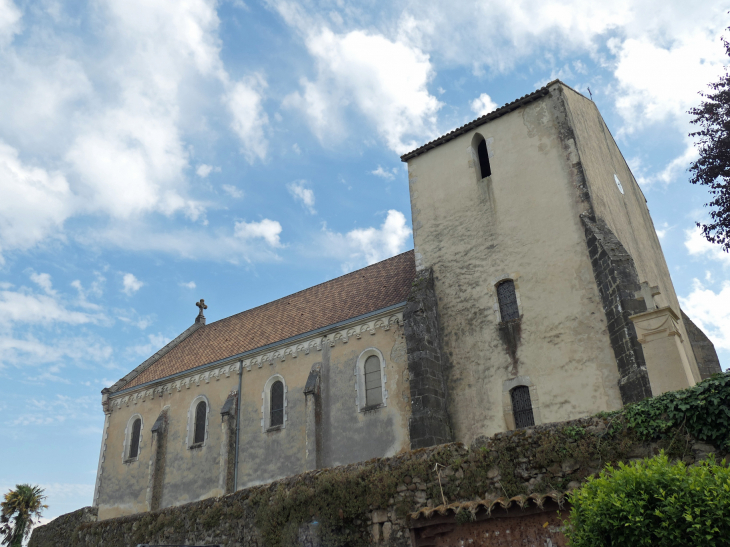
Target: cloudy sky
pixel 153 152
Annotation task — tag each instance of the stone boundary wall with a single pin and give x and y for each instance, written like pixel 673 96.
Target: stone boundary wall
pixel 370 503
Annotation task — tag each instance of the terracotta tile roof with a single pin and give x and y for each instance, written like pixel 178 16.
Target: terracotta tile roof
pixel 509 107
pixel 520 501
pixel 367 290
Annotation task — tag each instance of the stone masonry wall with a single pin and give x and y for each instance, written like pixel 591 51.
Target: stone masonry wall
pixel 703 348
pixel 429 423
pixel 371 503
pixel 617 282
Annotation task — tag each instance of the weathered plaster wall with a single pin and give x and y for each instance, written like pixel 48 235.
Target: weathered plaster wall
pixel 627 214
pixel 189 474
pixel 346 435
pixel 521 222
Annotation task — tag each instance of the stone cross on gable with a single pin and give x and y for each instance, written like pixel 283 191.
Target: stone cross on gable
pixel 202 306
pixel 647 294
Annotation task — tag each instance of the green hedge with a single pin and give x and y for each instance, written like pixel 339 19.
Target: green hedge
pixel 653 503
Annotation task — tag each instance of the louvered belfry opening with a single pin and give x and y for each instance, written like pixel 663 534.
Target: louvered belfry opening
pixel 277 404
pixel 134 444
pixel 373 382
pixel 200 412
pixel 507 297
pixel 522 407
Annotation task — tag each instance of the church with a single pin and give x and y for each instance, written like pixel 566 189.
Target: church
pixel 536 292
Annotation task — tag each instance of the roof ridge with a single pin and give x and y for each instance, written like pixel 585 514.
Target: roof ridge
pixel 310 287
pixel 481 120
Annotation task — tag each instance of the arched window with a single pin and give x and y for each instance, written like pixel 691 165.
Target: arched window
pixel 483 155
pixel 507 298
pixel 522 407
pixel 370 380
pixel 277 404
pixel 134 438
pixel 201 412
pixel 373 382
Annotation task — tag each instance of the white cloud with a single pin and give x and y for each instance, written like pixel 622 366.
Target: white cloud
pixel 380 172
pixel 245 103
pixel 10 17
pixel 130 284
pixel 27 350
pixel 711 312
pixel 369 245
pixel 697 245
pixel 661 232
pixel 155 342
pixel 204 170
pixel 232 191
pixel 483 105
pixel 301 193
pixel 266 229
pixel 43 280
pixel 188 285
pixel 385 80
pixel 25 307
pixel 34 203
pixel 296 149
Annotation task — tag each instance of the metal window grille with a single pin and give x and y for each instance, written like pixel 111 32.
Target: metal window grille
pixel 483 154
pixel 277 404
pixel 373 382
pixel 200 412
pixel 134 444
pixel 522 407
pixel 507 297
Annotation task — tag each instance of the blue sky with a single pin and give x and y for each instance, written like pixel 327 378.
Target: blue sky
pixel 154 152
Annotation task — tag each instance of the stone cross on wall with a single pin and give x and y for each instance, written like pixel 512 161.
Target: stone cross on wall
pixel 647 294
pixel 202 306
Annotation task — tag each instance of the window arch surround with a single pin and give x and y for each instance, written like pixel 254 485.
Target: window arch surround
pixel 366 375
pixel 277 385
pixel 198 422
pixel 509 308
pixel 132 438
pixel 481 151
pixel 512 389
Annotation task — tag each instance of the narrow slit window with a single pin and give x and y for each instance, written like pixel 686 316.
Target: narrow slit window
pixel 522 407
pixel 507 297
pixel 277 404
pixel 200 412
pixel 134 441
pixel 483 155
pixel 373 382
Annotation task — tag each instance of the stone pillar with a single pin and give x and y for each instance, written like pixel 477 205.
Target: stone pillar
pixel 666 361
pixel 157 462
pixel 429 423
pixel 313 411
pixel 229 415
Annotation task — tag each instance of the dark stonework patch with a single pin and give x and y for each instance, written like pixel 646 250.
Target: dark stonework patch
pixel 617 280
pixel 429 423
pixel 229 415
pixel 703 349
pixel 509 333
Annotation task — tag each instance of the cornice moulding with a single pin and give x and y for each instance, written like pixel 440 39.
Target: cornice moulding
pixel 255 359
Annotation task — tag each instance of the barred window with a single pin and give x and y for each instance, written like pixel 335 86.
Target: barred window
pixel 134 440
pixel 522 407
pixel 507 297
pixel 277 404
pixel 200 413
pixel 373 382
pixel 483 155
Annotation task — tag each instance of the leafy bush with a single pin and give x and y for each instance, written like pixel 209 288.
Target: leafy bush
pixel 703 410
pixel 653 503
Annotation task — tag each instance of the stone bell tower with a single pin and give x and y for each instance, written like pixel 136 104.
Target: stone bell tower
pixel 554 298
